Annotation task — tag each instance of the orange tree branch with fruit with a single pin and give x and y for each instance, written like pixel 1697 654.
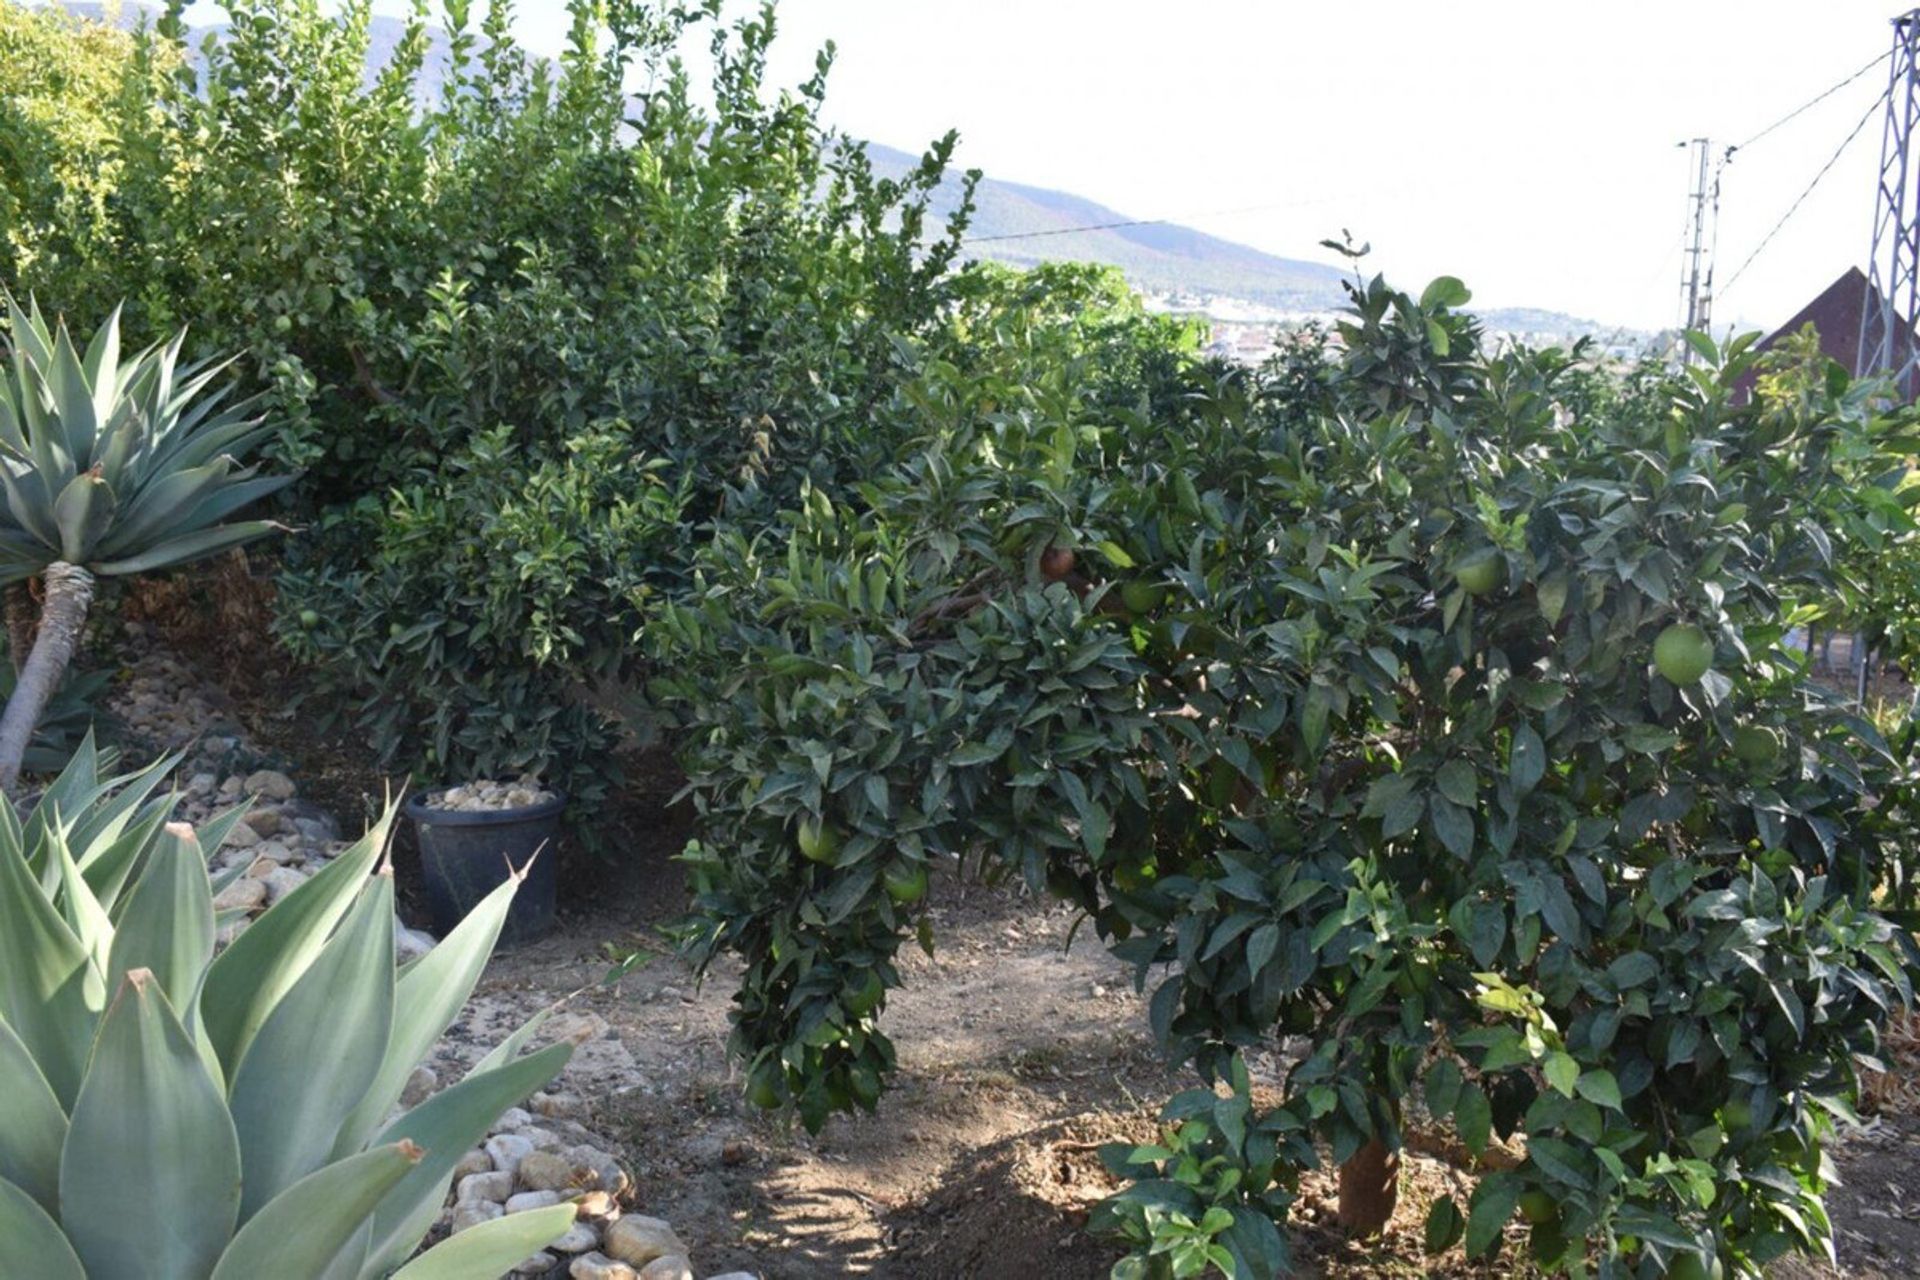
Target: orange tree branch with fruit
pixel 1402 714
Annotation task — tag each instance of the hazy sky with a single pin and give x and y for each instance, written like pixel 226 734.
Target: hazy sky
pixel 1527 146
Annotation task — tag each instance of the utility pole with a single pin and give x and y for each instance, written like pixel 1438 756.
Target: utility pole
pixel 1893 263
pixel 1696 283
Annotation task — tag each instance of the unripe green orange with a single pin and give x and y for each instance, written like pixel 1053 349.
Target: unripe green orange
pixel 763 1087
pixel 1478 573
pixel 819 842
pixel 865 998
pixel 1687 1266
pixel 1753 744
pixel 1538 1206
pixel 906 882
pixel 1682 653
pixel 1142 597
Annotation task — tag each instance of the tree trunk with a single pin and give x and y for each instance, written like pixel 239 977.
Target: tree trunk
pixel 69 591
pixel 19 610
pixel 1369 1189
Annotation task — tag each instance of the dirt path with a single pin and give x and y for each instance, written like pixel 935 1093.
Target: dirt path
pixel 1001 1034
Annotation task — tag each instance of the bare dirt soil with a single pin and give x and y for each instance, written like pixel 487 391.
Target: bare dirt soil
pixel 1018 1057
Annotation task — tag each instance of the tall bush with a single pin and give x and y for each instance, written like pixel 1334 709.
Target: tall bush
pixel 1349 721
pixel 471 262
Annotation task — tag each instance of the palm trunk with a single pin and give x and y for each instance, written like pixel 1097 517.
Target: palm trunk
pixel 19 612
pixel 69 591
pixel 1369 1189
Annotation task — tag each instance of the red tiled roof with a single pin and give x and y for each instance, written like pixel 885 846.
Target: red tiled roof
pixel 1837 315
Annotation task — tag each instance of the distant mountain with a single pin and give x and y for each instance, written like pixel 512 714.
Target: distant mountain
pixel 1163 258
pixel 1158 257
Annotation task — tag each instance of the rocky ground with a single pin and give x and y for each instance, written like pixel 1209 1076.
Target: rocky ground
pixel 534 1157
pixel 1019 1055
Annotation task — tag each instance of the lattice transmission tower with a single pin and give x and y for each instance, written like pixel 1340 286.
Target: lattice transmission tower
pixel 1893 265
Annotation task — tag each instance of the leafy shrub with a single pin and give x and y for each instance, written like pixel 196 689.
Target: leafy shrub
pixel 515 270
pixel 1350 718
pixel 1210 1197
pixel 58 159
pixel 479 614
pixel 232 1109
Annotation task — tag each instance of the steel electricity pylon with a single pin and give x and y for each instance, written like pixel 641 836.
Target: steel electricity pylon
pixel 1893 264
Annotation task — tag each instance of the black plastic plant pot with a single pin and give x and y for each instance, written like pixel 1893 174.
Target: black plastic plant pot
pixel 465 855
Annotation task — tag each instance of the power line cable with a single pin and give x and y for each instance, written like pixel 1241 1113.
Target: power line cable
pixel 1141 222
pixel 1801 198
pixel 1814 101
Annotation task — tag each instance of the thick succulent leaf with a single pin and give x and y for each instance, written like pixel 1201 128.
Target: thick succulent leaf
pixel 101 822
pixel 491 1248
pixel 316 1053
pixel 121 859
pixel 82 512
pixel 76 790
pixel 21 558
pixel 188 547
pixel 50 991
pixel 28 329
pixel 238 492
pixel 27 363
pixel 150 1174
pixel 101 365
pixel 230 432
pixel 73 395
pixel 215 830
pixel 305 1229
pixel 78 907
pixel 31 1242
pixel 153 512
pixel 447 1125
pixel 249 978
pixel 167 926
pixel 427 998
pixel 119 442
pixel 510 1048
pixel 196 443
pixel 32 1125
pixel 29 503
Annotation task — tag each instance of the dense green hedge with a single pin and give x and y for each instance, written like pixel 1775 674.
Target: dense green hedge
pixel 479 309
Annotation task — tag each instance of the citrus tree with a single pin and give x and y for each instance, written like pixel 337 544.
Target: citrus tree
pixel 1421 723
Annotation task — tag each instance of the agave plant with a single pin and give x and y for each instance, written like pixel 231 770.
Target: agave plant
pixel 107 467
pixel 176 1114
